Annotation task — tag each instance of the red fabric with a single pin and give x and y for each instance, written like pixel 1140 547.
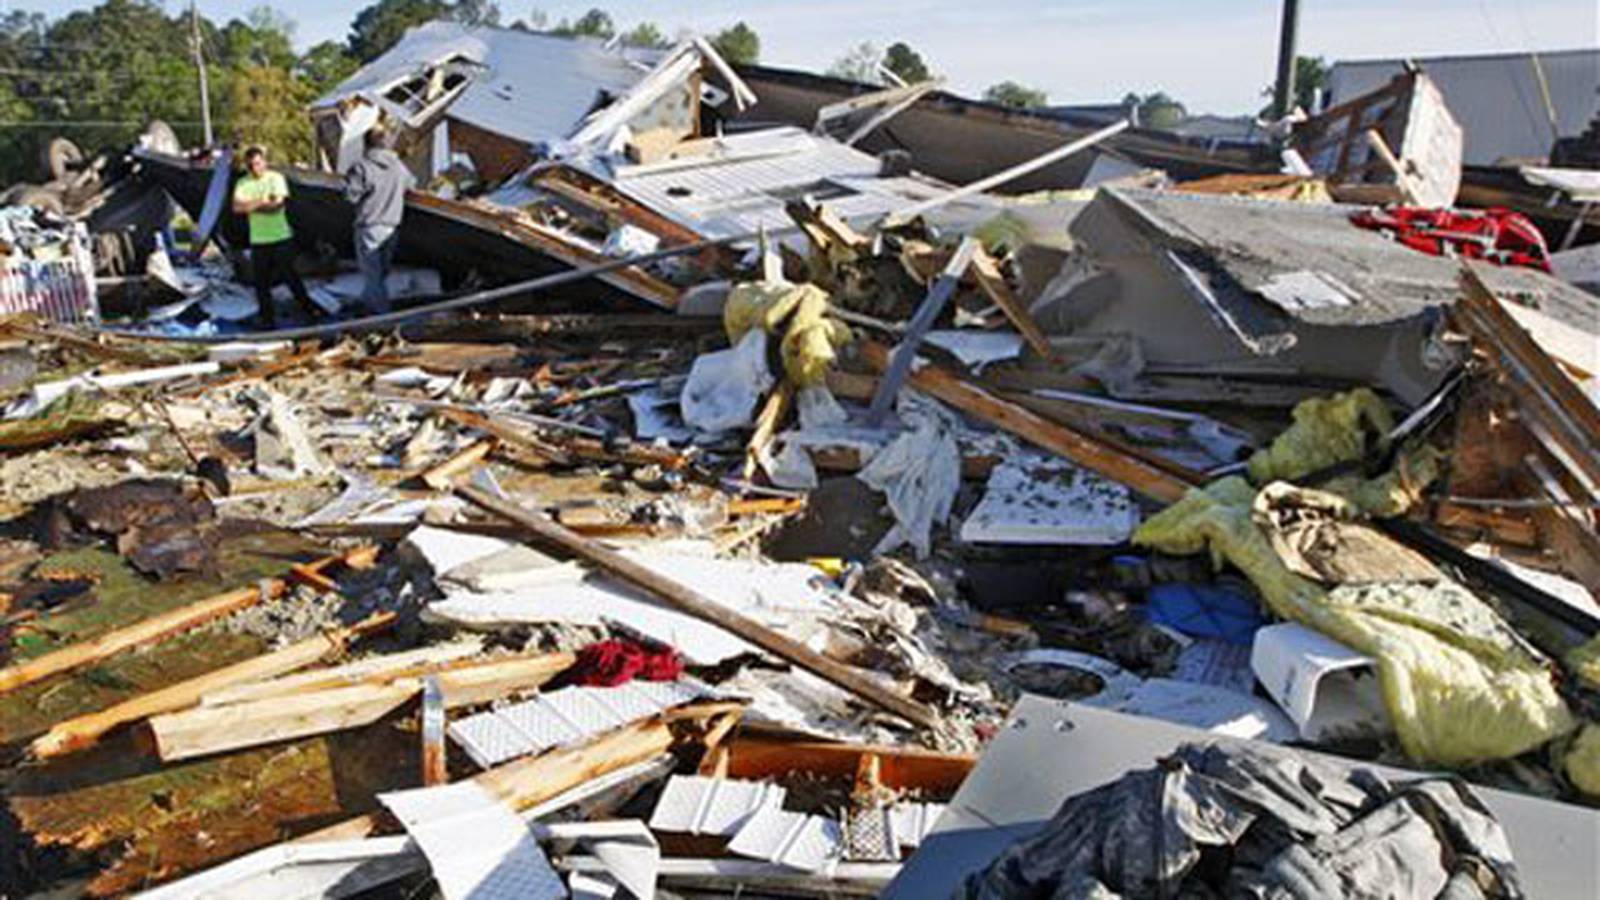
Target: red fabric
pixel 1494 235
pixel 614 662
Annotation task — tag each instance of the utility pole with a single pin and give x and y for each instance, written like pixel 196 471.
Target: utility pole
pixel 200 64
pixel 1283 90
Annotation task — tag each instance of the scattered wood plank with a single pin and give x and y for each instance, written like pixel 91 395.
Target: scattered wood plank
pixel 215 729
pixel 767 421
pixel 206 730
pixel 527 782
pixel 901 768
pixel 1142 477
pixel 84 731
pixel 148 631
pixel 684 599
pixel 993 284
pixel 435 765
pixel 373 670
pixel 439 477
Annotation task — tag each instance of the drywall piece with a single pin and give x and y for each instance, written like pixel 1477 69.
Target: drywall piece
pixel 976 348
pixel 783 595
pixel 568 716
pixel 1044 501
pixel 720 806
pixel 475 844
pixel 445 549
pixel 792 839
pixel 1327 689
pixel 913 821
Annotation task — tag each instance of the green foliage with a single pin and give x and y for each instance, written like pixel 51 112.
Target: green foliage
pixel 1010 93
pixel 645 34
pixel 325 65
pixel 906 63
pixel 738 44
pixel 266 105
pixel 859 64
pixel 381 25
pixel 1310 75
pixel 477 13
pixel 1156 110
pixel 595 23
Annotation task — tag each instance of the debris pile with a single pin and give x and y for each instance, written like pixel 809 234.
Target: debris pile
pixel 730 595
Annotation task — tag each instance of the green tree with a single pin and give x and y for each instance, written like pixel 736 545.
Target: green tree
pixel 325 65
pixel 595 23
pixel 1156 110
pixel 859 64
pixel 906 63
pixel 477 13
pixel 381 25
pixel 266 106
pixel 738 44
pixel 264 38
pixel 645 34
pixel 1010 93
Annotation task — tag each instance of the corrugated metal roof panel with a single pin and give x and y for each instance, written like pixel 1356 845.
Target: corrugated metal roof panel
pixel 1497 99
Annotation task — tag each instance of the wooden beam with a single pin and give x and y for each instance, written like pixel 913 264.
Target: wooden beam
pixel 532 780
pixel 148 631
pixel 214 729
pixel 987 271
pixel 440 476
pixel 771 415
pixel 902 768
pixel 687 600
pixel 372 670
pixel 1058 439
pixel 84 731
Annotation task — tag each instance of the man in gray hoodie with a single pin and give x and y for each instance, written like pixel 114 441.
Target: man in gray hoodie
pixel 376 185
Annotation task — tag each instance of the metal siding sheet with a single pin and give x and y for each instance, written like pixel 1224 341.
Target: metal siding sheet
pixel 1497 99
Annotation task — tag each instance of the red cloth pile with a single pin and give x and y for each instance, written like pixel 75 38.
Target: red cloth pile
pixel 613 662
pixel 1494 235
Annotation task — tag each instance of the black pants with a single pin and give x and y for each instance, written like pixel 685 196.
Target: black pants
pixel 274 263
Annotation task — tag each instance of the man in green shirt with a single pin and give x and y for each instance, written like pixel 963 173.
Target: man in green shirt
pixel 261 195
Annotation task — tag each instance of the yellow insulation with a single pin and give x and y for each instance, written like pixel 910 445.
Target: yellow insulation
pixel 1458 685
pixel 799 312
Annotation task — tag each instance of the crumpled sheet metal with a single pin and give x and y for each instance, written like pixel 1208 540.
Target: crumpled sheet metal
pixel 1252 821
pixel 1459 684
pixel 799 312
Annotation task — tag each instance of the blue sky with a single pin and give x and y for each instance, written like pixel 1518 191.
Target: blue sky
pixel 1215 55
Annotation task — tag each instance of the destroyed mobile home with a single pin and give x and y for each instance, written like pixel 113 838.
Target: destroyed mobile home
pixel 723 509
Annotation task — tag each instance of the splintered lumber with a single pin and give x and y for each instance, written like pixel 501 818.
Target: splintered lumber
pixel 771 415
pixel 214 729
pixel 381 670
pixel 687 600
pixel 84 731
pixel 156 628
pixel 902 768
pixel 1551 405
pixel 77 656
pixel 993 284
pixel 1142 477
pixel 439 477
pixel 527 782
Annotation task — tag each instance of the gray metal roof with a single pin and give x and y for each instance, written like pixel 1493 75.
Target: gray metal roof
pixel 537 87
pixel 1497 99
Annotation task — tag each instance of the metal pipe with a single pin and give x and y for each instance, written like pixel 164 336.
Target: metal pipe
pixel 1283 89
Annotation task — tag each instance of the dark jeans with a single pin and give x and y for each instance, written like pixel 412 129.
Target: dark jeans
pixel 274 263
